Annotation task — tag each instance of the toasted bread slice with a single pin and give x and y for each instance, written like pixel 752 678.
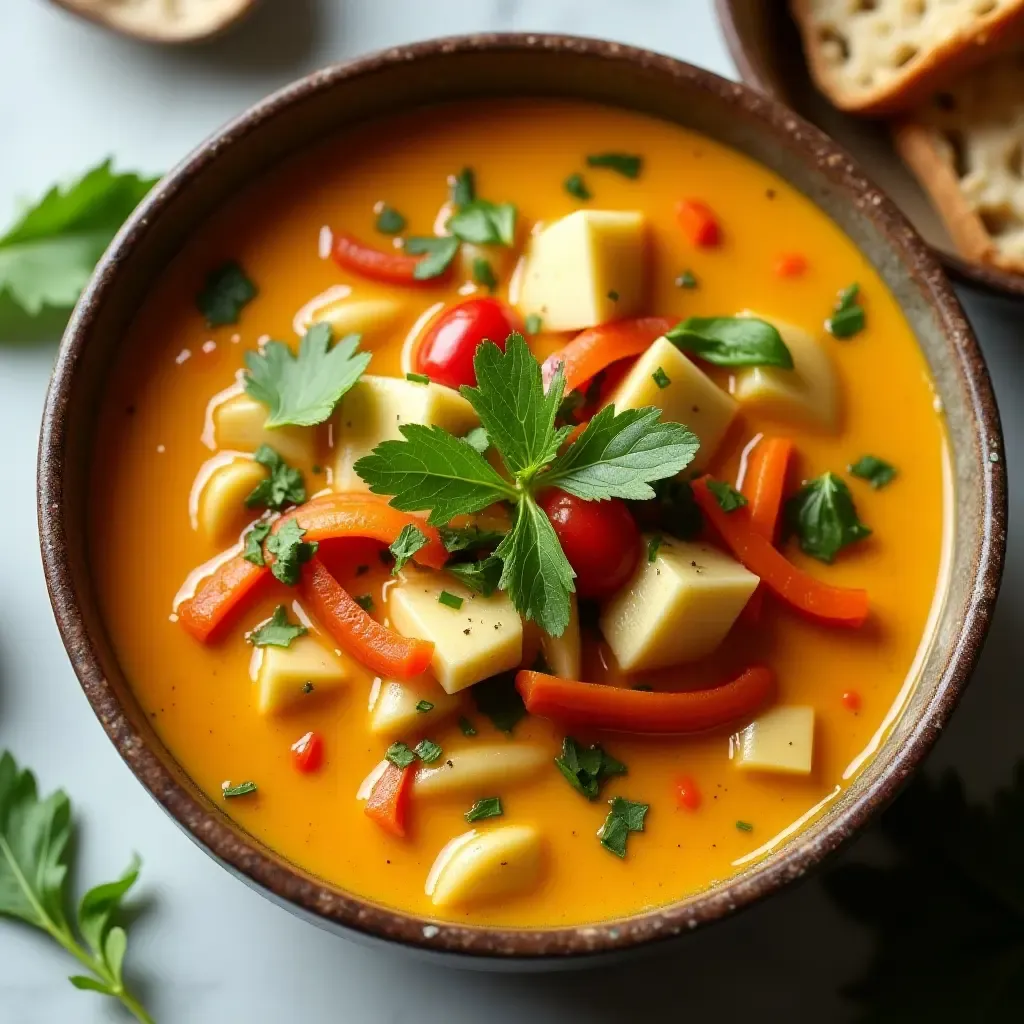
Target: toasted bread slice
pixel 966 146
pixel 887 56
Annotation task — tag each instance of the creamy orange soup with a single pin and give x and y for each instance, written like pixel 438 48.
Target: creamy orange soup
pixel 709 815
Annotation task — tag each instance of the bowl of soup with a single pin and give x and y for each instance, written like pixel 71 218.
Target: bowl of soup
pixel 520 497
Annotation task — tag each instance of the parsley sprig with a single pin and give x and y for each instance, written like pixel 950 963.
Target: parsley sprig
pixel 618 455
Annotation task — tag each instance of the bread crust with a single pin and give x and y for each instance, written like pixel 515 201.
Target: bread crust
pixel 970 45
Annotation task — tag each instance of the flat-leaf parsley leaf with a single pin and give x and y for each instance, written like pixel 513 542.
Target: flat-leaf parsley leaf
pixel 225 292
pixel 290 551
pixel 277 631
pixel 410 540
pixel 283 487
pixel 732 341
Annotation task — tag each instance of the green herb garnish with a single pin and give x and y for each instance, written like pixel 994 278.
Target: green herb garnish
pixel 427 751
pixel 732 341
pixel 848 317
pixel 365 601
pixel 687 279
pixel 467 727
pixel 290 551
pixel 744 826
pixel 587 768
pixel 482 577
pixel 577 187
pixel 277 631
pixel 824 518
pixel 463 188
pixel 487 807
pixel 437 254
pixel 499 700
pixel 678 511
pixel 624 817
pixel 417 378
pixel 399 755
pixel 481 222
pixel 626 164
pixel 728 498
pixel 533 324
pixel 284 486
pixel 483 274
pixel 613 295
pixel 308 687
pixel 410 540
pixel 302 390
pixel 253 550
pixel 224 294
pixel 450 600
pixel 468 538
pixel 242 789
pixel 876 471
pixel 423 706
pixel 653 547
pixel 661 378
pixel 390 221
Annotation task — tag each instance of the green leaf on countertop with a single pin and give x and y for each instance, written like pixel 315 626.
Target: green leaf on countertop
pixel 628 165
pixel 226 291
pixel 498 699
pixel 283 487
pixel 410 540
pixel 732 341
pixel 823 517
pixel 290 551
pixel 303 389
pixel 277 631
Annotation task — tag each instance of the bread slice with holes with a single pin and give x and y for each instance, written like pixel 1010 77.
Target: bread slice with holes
pixel 966 147
pixel 886 56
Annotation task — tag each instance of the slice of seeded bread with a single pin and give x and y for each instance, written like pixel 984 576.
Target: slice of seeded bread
pixel 886 56
pixel 966 146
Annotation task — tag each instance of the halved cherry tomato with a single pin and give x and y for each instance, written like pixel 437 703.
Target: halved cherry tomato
pixel 388 267
pixel 599 538
pixel 308 752
pixel 446 353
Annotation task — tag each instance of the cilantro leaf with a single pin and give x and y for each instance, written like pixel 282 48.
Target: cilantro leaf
pixel 50 251
pixel 848 316
pixel 302 390
pixel 824 518
pixel 463 187
pixel 577 187
pixel 513 408
pixel 624 817
pixel 468 538
pixel 277 631
pixel 487 807
pixel 253 551
pixel 626 164
pixel 483 274
pixel 290 551
pixel 437 253
pixel 283 487
pixel 499 700
pixel 410 540
pixel 728 498
pixel 587 768
pixel 483 576
pixel 431 469
pixel 619 455
pixel 732 341
pixel 389 221
pixel 35 861
pixel 876 471
pixel 225 292
pixel 536 574
pixel 481 222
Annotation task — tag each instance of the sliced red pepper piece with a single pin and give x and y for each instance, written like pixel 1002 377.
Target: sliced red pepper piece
pixel 699 223
pixel 387 267
pixel 388 802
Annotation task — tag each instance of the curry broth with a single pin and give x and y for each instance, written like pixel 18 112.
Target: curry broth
pixel 200 697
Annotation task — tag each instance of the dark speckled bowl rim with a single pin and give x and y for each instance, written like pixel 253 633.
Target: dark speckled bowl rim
pixel 328 905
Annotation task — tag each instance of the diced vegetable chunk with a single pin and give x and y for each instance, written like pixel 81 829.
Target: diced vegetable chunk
pixel 370 318
pixel 301 672
pixel 563 653
pixel 477 640
pixel 677 608
pixel 689 396
pixel 780 740
pixel 222 512
pixel 485 865
pixel 400 707
pixel 376 407
pixel 585 269
pixel 481 768
pixel 238 424
pixel 808 393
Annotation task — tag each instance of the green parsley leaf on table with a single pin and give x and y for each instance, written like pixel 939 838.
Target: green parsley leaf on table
pixel 389 220
pixel 876 471
pixel 283 487
pixel 35 861
pixel 498 699
pixel 486 807
pixel 732 341
pixel 277 631
pixel 410 540
pixel 49 253
pixel 437 254
pixel 226 291
pixel 728 498
pixel 587 768
pixel 481 222
pixel 253 551
pixel 847 318
pixel 303 389
pixel 483 576
pixel 824 518
pixel 290 551
pixel 624 817
pixel 627 164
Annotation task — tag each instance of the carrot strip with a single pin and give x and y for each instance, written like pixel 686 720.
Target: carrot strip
pixel 388 801
pixel 835 606
pixel 359 634
pixel 791 264
pixel 699 223
pixel 643 711
pixel 387 267
pixel 596 348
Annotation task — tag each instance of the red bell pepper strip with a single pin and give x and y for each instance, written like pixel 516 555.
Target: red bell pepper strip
pixel 218 595
pixel 699 223
pixel 376 265
pixel 356 632
pixel 388 802
pixel 599 706
pixel 833 606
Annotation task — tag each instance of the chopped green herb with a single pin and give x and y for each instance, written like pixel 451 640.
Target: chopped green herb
pixel 224 293
pixel 728 498
pixel 653 547
pixel 390 221
pixel 365 601
pixel 577 187
pixel 449 600
pixel 481 222
pixel 410 540
pixel 302 390
pixel 678 511
pixel 499 700
pixel 626 164
pixel 624 817
pixel 423 706
pixel 876 471
pixel 661 378
pixel 483 274
pixel 463 188
pixel 687 279
pixel 308 687
pixel 467 727
pixel 848 316
pixel 823 517
pixel 317 469
pixel 427 751
pixel 284 486
pixel 437 254
pixel 744 826
pixel 253 551
pixel 533 323
pixel 399 755
pixel 242 789
pixel 477 439
pixel 587 768
pixel 290 551
pixel 483 576
pixel 418 378
pixel 732 341
pixel 277 631
pixel 468 538
pixel 613 295
pixel 487 807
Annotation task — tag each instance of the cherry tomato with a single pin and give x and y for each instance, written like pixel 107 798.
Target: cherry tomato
pixel 687 793
pixel 308 752
pixel 599 538
pixel 446 353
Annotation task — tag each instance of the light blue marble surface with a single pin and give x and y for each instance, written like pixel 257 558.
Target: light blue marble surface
pixel 209 950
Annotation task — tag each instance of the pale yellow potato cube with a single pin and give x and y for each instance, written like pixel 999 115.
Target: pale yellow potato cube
pixel 393 710
pixel 483 865
pixel 376 407
pixel 283 673
pixel 780 740
pixel 809 393
pixel 372 319
pixel 221 512
pixel 481 767
pixel 691 397
pixel 585 269
pixel 563 653
pixel 238 425
pixel 677 608
pixel 476 641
